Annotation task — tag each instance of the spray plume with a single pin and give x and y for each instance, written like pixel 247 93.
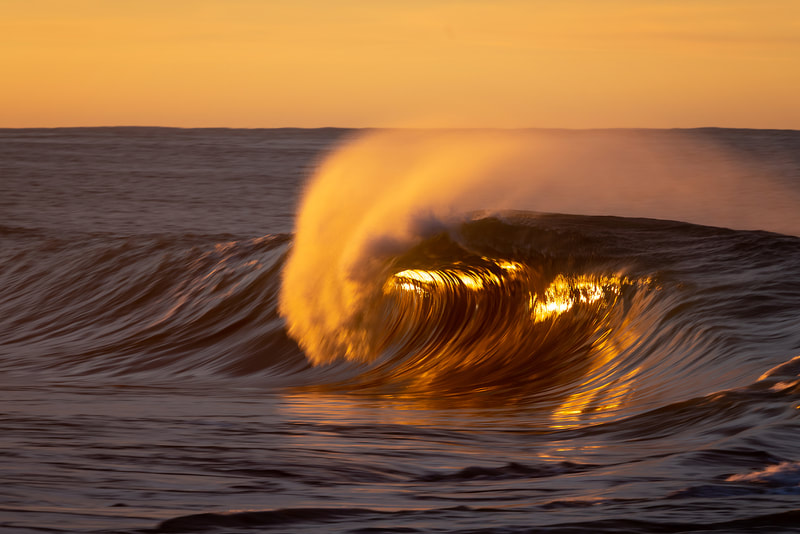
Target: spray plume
pixel 384 192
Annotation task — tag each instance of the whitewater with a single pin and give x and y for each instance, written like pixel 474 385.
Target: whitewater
pixel 454 331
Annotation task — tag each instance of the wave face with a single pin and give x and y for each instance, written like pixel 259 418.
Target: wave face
pixel 409 262
pixel 153 308
pixel 584 318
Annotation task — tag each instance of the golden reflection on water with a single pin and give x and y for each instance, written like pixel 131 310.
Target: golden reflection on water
pixel 604 387
pixel 560 296
pixel 594 403
pixel 475 279
pixel 564 293
pixel 435 411
pixel 418 279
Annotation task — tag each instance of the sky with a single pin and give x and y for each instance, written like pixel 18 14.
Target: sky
pixel 409 63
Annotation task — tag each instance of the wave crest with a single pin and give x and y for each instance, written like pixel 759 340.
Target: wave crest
pixel 409 263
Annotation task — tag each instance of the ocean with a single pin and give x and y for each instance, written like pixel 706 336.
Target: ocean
pixel 399 331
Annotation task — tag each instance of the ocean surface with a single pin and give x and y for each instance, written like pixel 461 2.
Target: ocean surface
pixel 353 331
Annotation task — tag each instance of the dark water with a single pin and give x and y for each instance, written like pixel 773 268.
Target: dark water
pixel 512 372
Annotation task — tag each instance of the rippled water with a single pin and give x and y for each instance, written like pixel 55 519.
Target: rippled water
pixel 424 354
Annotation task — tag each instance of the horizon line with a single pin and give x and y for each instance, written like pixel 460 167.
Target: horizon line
pixel 484 128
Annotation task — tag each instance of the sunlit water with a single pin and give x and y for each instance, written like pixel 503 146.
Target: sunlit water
pixel 468 332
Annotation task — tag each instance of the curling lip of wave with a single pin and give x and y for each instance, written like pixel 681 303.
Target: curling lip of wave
pixel 379 196
pixel 391 270
pixel 525 332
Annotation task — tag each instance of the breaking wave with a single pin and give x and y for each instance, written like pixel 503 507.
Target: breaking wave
pixel 427 262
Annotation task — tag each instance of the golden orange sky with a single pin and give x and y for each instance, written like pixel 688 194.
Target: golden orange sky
pixel 473 63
